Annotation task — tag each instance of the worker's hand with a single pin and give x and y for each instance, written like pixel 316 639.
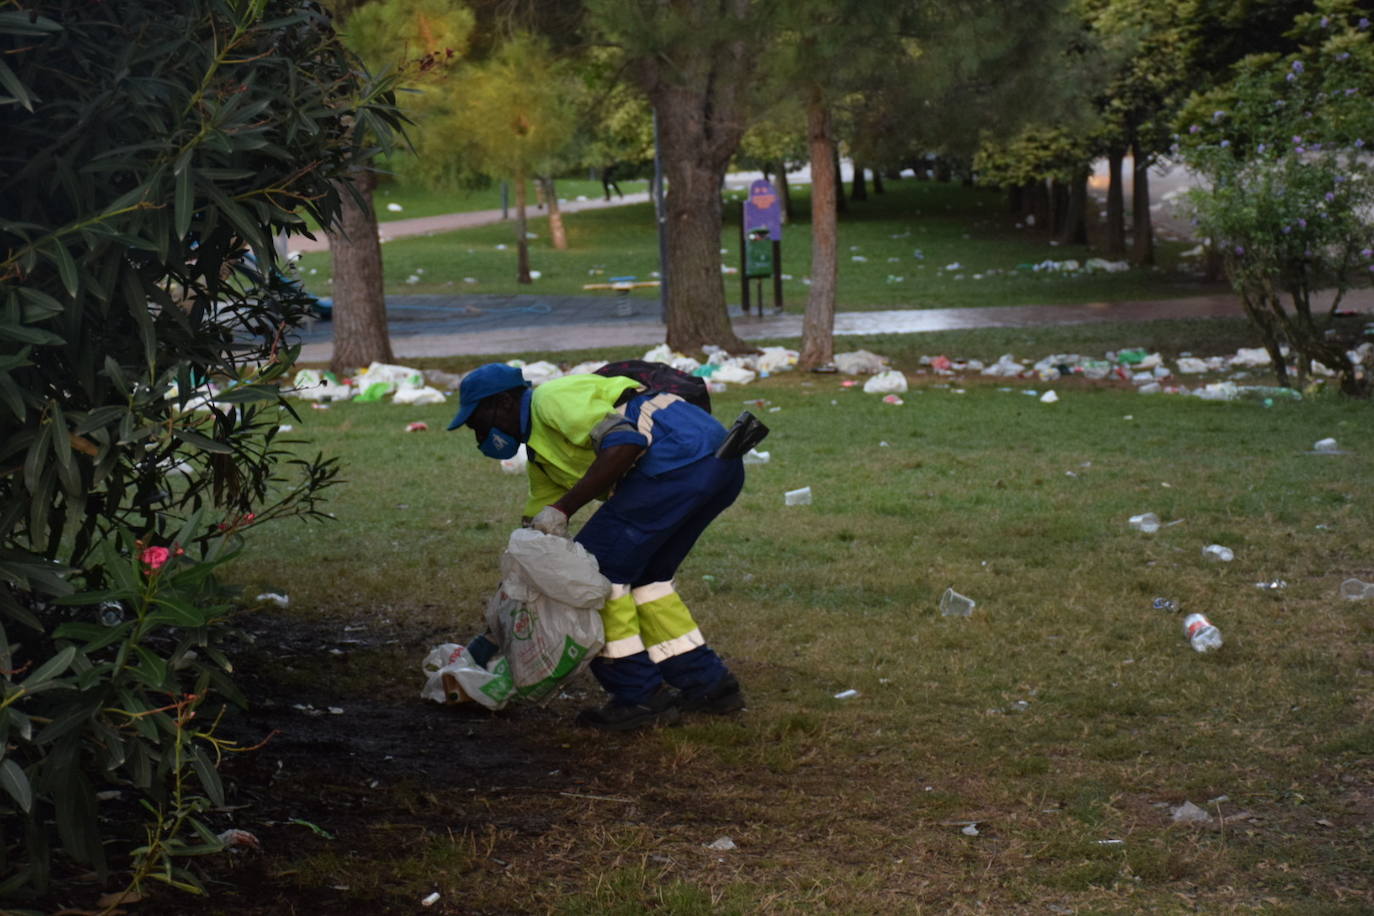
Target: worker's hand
pixel 551 521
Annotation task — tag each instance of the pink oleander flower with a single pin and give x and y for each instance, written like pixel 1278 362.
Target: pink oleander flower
pixel 155 557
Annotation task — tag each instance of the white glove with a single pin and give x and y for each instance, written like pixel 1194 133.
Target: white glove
pixel 551 521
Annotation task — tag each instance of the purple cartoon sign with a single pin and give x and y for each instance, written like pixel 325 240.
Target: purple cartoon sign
pixel 763 209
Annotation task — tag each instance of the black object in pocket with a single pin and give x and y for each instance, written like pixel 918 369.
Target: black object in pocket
pixel 747 432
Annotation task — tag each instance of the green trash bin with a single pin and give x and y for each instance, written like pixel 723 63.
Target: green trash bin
pixel 758 254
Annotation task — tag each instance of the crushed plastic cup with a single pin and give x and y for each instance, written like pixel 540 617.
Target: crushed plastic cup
pixel 753 456
pixel 953 604
pixel 1218 553
pixel 1146 522
pixel 801 497
pixel 1356 590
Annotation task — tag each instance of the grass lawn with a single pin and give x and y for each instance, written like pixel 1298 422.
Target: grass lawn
pixel 415 200
pixel 1062 721
pixel 897 251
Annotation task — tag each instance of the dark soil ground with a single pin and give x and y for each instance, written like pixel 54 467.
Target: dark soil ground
pixel 358 774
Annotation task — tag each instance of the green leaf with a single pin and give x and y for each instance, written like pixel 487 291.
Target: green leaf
pixel 242 394
pixel 185 194
pixel 209 776
pixel 191 437
pixel 28 335
pixel 152 668
pixel 38 304
pixel 49 669
pixel 17 90
pixel 66 267
pixel 14 781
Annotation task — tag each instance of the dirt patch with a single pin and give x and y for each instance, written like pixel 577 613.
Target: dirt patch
pixel 356 770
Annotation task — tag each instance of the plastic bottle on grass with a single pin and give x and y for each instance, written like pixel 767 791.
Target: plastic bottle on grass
pixel 1202 635
pixel 1146 522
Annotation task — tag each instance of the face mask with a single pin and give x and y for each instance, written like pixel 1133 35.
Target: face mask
pixel 499 445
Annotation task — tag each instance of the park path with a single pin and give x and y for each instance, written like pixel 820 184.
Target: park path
pixel 471 326
pixel 447 222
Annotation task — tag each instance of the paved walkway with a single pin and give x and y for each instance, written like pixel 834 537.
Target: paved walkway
pixel 437 326
pixel 447 222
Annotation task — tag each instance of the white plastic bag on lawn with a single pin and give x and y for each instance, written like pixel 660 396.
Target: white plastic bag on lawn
pixel 539 373
pixel 398 376
pixel 889 382
pixel 425 395
pixel 859 362
pixel 733 372
pixel 452 676
pixel 776 359
pixel 545 617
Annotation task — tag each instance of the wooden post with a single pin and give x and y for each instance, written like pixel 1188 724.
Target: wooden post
pixel 743 264
pixel 777 276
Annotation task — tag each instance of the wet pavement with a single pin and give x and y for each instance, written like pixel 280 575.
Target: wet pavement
pixel 438 326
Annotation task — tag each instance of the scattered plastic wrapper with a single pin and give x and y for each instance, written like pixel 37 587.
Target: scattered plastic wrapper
pixel 1049 397
pixel 724 844
pixel 1218 552
pixel 969 829
pixel 417 427
pixel 800 497
pixel 847 694
pixel 430 900
pixel 1189 813
pixel 894 400
pixel 1147 522
pixel 236 837
pixel 274 598
pixel 754 456
pixel 1165 604
pixel 953 604
pixel 1356 590
pixel 1272 585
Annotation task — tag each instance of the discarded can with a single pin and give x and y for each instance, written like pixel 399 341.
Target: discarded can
pixel 1147 522
pixel 1166 604
pixel 953 604
pixel 1217 552
pixel 1202 635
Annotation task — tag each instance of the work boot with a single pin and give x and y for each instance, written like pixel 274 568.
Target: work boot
pixel 722 697
pixel 659 709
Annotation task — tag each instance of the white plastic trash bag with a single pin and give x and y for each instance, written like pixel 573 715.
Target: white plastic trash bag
pixel 732 372
pixel 540 372
pixel 453 676
pixel 859 362
pixel 776 359
pixel 889 382
pixel 545 617
pixel 397 376
pixel 424 395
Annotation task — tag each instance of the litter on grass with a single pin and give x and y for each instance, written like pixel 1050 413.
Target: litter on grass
pixel 953 604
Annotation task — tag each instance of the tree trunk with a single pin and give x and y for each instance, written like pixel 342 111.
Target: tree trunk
pixel 943 172
pixel 1016 200
pixel 1059 206
pixel 841 203
pixel 785 193
pixel 1116 230
pixel 360 331
pixel 878 182
pixel 522 242
pixel 1143 244
pixel 696 294
pixel 818 325
pixel 557 232
pixel 860 191
pixel 1039 202
pixel 1075 225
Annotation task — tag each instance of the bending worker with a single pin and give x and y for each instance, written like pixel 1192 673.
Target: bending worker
pixel 587 436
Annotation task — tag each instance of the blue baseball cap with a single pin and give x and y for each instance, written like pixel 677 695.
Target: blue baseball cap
pixel 482 383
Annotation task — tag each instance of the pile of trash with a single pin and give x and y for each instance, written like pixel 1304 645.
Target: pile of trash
pixel 378 381
pixel 1147 371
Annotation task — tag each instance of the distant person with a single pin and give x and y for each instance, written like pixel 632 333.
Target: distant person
pixel 608 182
pixel 651 456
